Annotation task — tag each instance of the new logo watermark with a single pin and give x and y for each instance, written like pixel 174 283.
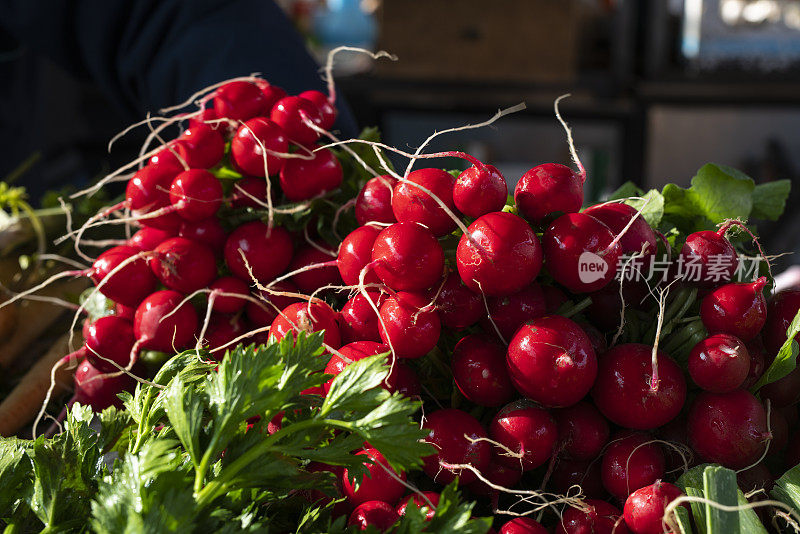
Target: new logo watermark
pixel 591 267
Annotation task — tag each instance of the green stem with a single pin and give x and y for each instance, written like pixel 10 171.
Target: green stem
pixel 205 462
pixel 569 309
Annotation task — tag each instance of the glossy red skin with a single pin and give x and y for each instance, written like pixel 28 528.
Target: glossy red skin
pixel 378 514
pixel 408 257
pixel 623 393
pixel 628 464
pixel 109 337
pixel 736 309
pixel 413 205
pixel 208 114
pixel 166 158
pixel 290 114
pixel 644 508
pixel 639 238
pixel 239 100
pixel 596 337
pixel 582 431
pixel 262 314
pixel 374 201
pixel 358 321
pixel 307 317
pixel 498 474
pixel 720 363
pixel 201 146
pixel 480 191
pixel 124 312
pixel 758 362
pixel 246 188
pixel 551 360
pixel 404 381
pixel 174 333
pixel 479 370
pixel 447 430
pixel 554 298
pixel 728 428
pixel 268 251
pixel 458 307
pixel 781 310
pixel 303 179
pixel 232 285
pixel 525 428
pixel 325 107
pixel 357 350
pixel 420 503
pixel 378 485
pixel 222 329
pixel 410 329
pixel 699 247
pixel 208 232
pixel 355 253
pixel 99 393
pixel 602 518
pixel 586 474
pixel 510 312
pixel 784 391
pixel 272 93
pixel 247 154
pixel 508 255
pixel 148 191
pixel 130 284
pixel 546 189
pixel 523 525
pixel 310 281
pixel 572 235
pixel 183 265
pixel 147 239
pixel 196 194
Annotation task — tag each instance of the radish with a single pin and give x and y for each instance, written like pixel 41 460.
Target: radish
pixel 638 238
pixel 631 461
pixel 457 306
pixel 222 329
pixel 736 309
pixel 148 191
pixel 523 525
pixel 409 325
pixel 758 362
pixel 350 353
pixel 479 370
pixel 554 298
pixel 166 158
pixel 404 381
pixel 410 204
pixel 232 286
pixel 208 232
pixel 249 193
pixel 272 93
pixel 784 391
pixel 377 485
pixel 292 114
pixel 782 309
pixel 527 430
pixel 155 331
pixel 586 474
pixel 324 105
pixel 314 316
pixel 303 179
pixel 755 478
pixel 499 475
pixel 263 313
pixel 551 360
pixel 510 312
pixel 358 321
pixel 580 252
pixel 374 201
pixel 548 189
pixel 313 279
pixel 480 191
pixel 256 145
pixel 109 338
pixel 420 503
pixel 201 146
pixel 147 238
pixel 183 265
pixel 633 391
pixel 720 363
pixel 597 517
pixel 268 251
pixel 449 429
pixel 377 514
pixel 355 253
pixel 644 508
pixel 728 428
pixel 606 307
pixel 407 257
pixel 98 390
pixel 239 101
pixel 712 254
pixel 123 312
pixel 131 283
pixel 596 337
pixel 582 431
pixel 500 255
pixel 208 114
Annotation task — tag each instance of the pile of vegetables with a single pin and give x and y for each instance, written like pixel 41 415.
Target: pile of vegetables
pixel 296 336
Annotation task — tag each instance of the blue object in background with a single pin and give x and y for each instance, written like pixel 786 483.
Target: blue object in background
pixel 343 22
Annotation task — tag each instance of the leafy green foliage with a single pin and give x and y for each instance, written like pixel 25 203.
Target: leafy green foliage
pixel 786 360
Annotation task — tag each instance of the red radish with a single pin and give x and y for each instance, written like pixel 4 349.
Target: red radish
pixel 736 309
pixel 358 321
pixel 350 353
pixel 407 257
pixel 728 428
pixel 480 191
pixel 500 256
pixel 638 238
pixel 523 525
pixel 109 338
pixel 201 146
pixel 525 429
pixel 183 265
pixel 404 381
pixel 252 145
pixel 147 239
pixel 223 329
pixel 551 360
pixel 710 256
pixel 313 279
pixel 758 362
pixel 205 117
pixel 325 107
pixel 208 232
pixel 596 337
pixel 632 460
pixel 548 189
pixel 606 307
pixel 644 508
pixel 499 475
pixel 272 93
pixel 479 370
pixel 784 391
pixel 781 311
pixel 720 363
pixel 263 313
pixel 554 298
pixel 308 317
pixel 630 393
pixel 458 307
pixel 94 388
pixel 131 283
pixel 449 430
pixel 598 517
pixel 410 326
pixel 239 101
pixel 123 312
pixel 377 514
pixel 510 312
pixel 377 485
pixel 582 431
pixel 232 285
pixel 586 474
pixel 196 194
pixel 374 201
pixel 154 331
pixel 756 478
pixel 148 191
pixel 420 503
pixel 355 253
pixel 580 252
pixel 249 193
pixel 303 179
pixel 268 251
pixel 166 158
pixel 292 113
pixel 411 204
